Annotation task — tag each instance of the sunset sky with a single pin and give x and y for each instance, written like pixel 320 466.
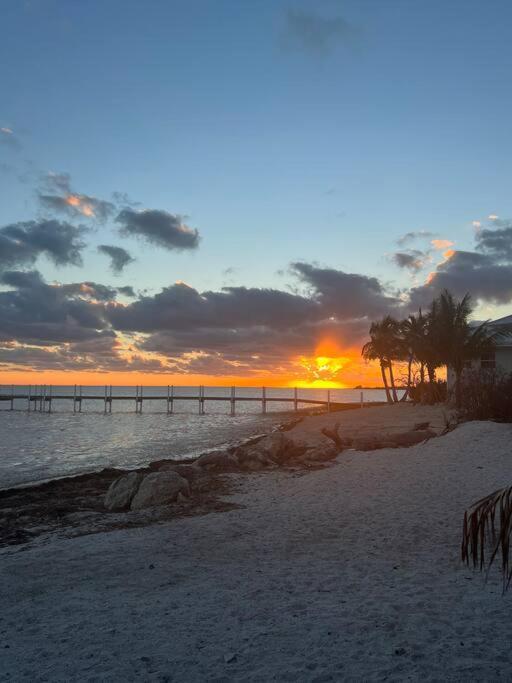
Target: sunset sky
pixel 226 192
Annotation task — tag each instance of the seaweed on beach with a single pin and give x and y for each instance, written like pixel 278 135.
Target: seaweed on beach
pixel 486 533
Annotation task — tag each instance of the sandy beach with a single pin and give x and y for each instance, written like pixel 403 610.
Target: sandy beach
pixel 349 572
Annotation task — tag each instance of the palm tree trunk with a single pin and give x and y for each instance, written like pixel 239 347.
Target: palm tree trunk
pixel 385 380
pixel 392 379
pixel 409 380
pixel 458 388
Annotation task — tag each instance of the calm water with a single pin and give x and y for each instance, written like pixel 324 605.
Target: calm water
pixel 38 446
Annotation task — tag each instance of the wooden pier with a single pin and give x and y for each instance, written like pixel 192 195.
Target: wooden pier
pixel 41 397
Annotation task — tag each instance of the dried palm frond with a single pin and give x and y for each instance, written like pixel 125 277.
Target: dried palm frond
pixel 488 527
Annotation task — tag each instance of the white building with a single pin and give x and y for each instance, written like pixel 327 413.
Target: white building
pixel 500 359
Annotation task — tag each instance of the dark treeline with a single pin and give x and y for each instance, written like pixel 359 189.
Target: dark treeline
pixel 438 337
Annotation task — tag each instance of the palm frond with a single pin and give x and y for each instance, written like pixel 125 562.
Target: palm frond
pixel 487 531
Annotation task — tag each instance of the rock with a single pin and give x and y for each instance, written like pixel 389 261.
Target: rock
pixel 189 472
pixel 159 488
pixel 218 460
pixel 254 459
pixel 180 498
pixel 122 490
pixel 420 426
pixel 276 446
pixel 319 454
pixel 296 449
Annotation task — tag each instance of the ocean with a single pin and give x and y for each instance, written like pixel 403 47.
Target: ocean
pixel 36 447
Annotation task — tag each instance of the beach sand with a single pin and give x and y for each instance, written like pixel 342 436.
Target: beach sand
pixel 350 572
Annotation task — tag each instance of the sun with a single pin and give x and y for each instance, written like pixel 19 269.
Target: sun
pixel 324 369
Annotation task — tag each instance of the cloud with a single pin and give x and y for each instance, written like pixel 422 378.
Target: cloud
pixel 466 271
pixel 413 259
pixel 33 311
pixel 58 196
pixel 22 243
pixel 413 236
pixel 441 244
pixel 123 199
pixel 345 295
pixel 119 257
pixel 496 242
pixel 316 34
pixel 8 138
pixel 158 227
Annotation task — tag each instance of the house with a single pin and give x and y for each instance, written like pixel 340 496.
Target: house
pixel 500 358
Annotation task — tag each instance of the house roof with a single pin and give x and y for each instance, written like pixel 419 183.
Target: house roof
pixel 505 330
pixel 507 320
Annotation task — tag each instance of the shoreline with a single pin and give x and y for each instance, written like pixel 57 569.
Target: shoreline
pixel 230 444
pixel 75 504
pixel 345 572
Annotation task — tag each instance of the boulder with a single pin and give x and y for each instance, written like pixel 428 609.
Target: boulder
pixel 159 488
pixel 218 460
pixel 276 446
pixel 189 472
pixel 296 448
pixel 254 459
pixel 121 491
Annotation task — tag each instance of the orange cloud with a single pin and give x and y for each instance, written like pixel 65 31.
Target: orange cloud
pixel 441 244
pixel 78 203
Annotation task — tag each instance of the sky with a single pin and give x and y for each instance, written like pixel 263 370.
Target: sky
pixel 224 191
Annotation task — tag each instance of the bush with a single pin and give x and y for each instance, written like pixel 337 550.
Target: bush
pixel 487 396
pixel 426 392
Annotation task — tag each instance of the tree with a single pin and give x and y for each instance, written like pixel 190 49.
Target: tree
pixel 455 340
pixel 413 331
pixel 480 529
pixel 384 346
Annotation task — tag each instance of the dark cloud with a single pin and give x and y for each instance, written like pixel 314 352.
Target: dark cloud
pixel 158 227
pixel 346 295
pixel 35 312
pixel 22 243
pixel 412 259
pixel 126 291
pixel 466 271
pixel 314 33
pixel 58 196
pixel 415 235
pixel 498 242
pixel 123 199
pixel 119 257
pixel 181 306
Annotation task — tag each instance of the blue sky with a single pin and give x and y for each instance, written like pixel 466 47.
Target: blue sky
pixel 283 131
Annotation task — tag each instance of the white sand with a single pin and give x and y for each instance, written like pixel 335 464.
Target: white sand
pixel 348 573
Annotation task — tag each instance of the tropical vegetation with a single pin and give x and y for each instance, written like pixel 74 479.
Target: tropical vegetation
pixel 424 342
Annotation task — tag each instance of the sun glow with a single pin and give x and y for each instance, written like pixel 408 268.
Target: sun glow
pixel 324 369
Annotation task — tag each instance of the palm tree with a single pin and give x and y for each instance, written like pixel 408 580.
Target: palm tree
pixel 456 341
pixel 480 529
pixel 383 346
pixel 413 334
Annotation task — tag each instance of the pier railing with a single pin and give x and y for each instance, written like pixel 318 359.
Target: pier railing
pixel 40 398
